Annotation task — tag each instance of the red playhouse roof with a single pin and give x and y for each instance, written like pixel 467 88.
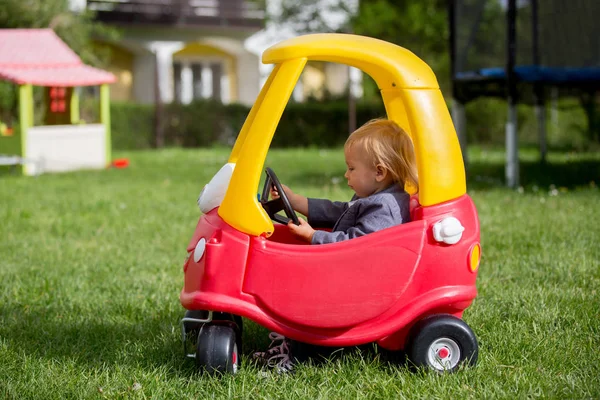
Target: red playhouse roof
pixel 41 58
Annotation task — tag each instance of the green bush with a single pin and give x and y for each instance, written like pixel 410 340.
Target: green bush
pixel 132 126
pixel 202 123
pixel 321 124
pixel 207 123
pixel 566 124
pixel 325 124
pixel 8 102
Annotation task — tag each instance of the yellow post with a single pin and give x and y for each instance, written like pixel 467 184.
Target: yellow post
pixel 25 116
pixel 75 106
pixel 105 118
pixel 240 207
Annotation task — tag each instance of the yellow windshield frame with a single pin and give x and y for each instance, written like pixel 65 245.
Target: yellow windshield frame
pixel 411 96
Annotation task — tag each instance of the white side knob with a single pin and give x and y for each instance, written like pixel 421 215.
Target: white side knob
pixel 449 230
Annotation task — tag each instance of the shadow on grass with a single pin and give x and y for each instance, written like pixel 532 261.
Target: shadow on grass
pixel 97 342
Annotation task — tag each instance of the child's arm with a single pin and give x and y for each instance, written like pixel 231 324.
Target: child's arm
pixel 308 234
pixel 323 213
pixel 370 218
pixel 299 203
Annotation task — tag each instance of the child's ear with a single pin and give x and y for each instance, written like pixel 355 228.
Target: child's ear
pixel 381 173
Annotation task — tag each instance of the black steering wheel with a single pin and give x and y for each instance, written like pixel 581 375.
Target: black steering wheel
pixel 272 207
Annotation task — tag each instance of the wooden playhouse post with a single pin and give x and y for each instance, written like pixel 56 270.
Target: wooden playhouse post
pixel 74 107
pixel 105 119
pixel 25 117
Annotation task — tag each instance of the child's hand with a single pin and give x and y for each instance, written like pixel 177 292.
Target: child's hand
pixel 298 202
pixel 275 193
pixel 304 230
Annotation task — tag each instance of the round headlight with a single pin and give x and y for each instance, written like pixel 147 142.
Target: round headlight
pixel 199 250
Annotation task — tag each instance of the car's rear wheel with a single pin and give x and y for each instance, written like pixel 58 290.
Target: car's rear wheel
pixel 442 343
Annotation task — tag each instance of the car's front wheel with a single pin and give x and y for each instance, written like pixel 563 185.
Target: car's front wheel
pixel 217 350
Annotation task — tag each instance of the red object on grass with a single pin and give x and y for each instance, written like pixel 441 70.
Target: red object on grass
pixel 120 163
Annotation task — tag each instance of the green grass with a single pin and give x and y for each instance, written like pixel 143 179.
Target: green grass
pixel 91 269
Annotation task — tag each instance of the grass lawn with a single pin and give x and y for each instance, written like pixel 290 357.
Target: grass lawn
pixel 91 269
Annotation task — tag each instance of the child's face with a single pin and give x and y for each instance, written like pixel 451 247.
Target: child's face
pixel 361 173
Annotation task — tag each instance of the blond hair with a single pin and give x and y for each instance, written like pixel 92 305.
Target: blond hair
pixel 388 145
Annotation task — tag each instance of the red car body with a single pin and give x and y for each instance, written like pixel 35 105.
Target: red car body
pixel 372 288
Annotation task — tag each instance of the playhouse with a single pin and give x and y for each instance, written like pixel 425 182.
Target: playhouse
pixel 38 57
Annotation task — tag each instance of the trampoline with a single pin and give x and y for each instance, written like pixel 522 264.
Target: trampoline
pixel 524 51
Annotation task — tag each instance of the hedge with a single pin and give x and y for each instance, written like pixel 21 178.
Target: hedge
pixel 207 123
pixel 132 126
pixel 325 124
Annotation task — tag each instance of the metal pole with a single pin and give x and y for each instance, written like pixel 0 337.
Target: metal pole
pixel 538 88
pixel 458 108
pixel 512 148
pixel 351 99
pixel 452 44
pixel 460 125
pixel 158 108
pixel 351 103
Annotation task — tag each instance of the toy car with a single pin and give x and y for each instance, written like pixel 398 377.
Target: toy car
pixel 403 287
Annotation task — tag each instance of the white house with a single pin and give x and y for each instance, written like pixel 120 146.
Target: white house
pixel 317 77
pixel 180 50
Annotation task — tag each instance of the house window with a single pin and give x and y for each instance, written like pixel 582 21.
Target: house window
pixel 58 99
pixel 58 105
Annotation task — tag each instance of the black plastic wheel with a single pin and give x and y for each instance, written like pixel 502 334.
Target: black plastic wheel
pixel 233 321
pixel 221 318
pixel 442 342
pixel 217 351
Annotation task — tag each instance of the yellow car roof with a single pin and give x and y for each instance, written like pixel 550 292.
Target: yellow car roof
pixel 411 97
pixel 378 58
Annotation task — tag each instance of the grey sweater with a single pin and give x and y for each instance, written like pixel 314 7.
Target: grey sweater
pixel 358 216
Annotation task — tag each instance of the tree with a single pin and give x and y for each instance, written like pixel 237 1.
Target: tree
pixel 76 29
pixel 310 16
pixel 419 25
pixel 416 24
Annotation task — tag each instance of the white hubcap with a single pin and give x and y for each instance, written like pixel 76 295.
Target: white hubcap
pixel 234 358
pixel 443 354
